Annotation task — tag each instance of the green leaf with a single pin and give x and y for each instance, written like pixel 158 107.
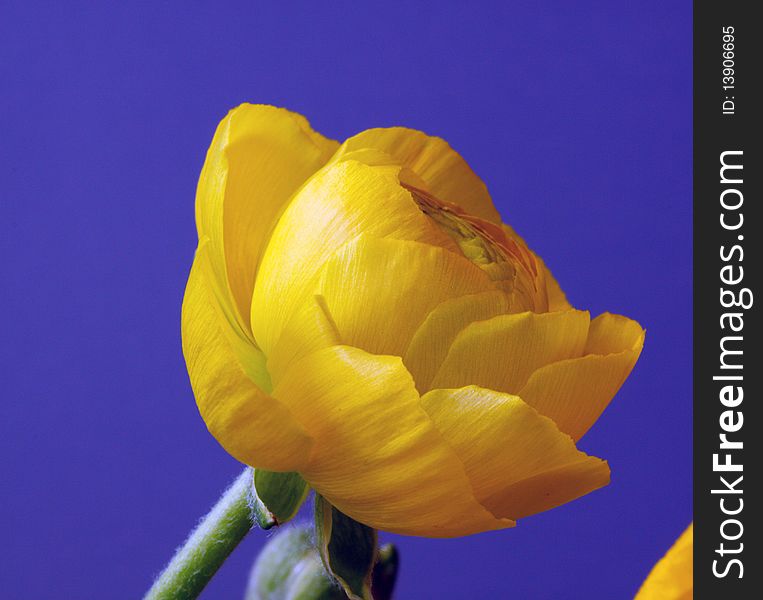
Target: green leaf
pixel 277 497
pixel 348 549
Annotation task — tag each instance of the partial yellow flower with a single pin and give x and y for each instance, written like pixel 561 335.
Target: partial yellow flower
pixel 359 314
pixel 672 578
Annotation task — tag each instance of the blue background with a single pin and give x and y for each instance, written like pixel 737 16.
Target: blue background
pixel 578 117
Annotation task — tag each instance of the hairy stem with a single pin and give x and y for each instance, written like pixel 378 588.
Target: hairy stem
pixel 206 549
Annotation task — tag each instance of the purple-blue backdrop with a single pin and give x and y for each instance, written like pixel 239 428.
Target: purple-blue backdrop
pixel 578 117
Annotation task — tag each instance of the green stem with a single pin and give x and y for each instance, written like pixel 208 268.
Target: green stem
pixel 209 544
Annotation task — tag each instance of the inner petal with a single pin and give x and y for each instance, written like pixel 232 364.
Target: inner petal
pixel 507 261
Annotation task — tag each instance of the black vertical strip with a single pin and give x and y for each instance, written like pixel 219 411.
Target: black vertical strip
pixel 728 433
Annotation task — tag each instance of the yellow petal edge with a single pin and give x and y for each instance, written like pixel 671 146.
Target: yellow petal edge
pixel 672 578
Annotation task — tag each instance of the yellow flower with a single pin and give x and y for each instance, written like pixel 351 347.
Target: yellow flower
pixel 673 577
pixel 359 314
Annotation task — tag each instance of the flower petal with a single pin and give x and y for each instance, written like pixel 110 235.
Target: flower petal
pixel 610 334
pixel 501 353
pixel 517 460
pixel 310 328
pixel 377 456
pixel 379 291
pixel 575 392
pixel 253 427
pixel 557 300
pixel 446 174
pixel 435 335
pixel 337 205
pixel 673 577
pixel 259 157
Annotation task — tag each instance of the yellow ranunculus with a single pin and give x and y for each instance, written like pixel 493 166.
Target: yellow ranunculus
pixel 673 577
pixel 358 313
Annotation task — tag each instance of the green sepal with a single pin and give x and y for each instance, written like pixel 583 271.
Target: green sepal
pixel 385 572
pixel 277 496
pixel 290 568
pixel 348 549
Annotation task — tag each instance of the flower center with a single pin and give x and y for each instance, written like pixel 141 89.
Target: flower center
pixel 508 262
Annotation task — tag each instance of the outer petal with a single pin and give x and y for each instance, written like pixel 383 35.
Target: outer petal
pixel 377 456
pixel 519 463
pixel 501 353
pixel 379 291
pixel 259 156
pixel 337 205
pixel 673 577
pixel 575 392
pixel 614 333
pixel 435 335
pixel 253 427
pixel 446 174
pixel 310 329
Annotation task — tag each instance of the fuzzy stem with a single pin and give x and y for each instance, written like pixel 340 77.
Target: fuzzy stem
pixel 205 550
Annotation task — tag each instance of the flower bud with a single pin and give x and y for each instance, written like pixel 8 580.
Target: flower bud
pixel 359 314
pixel 289 568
